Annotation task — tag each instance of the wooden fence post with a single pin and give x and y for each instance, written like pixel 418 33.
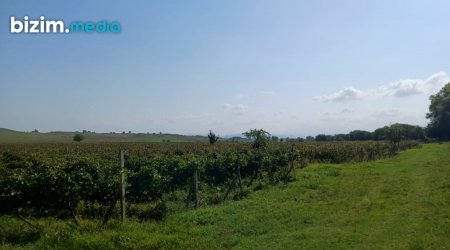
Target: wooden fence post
pixel 196 188
pixel 122 186
pixel 293 169
pixel 238 175
pixel 293 162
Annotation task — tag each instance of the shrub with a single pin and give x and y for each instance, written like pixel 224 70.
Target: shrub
pixel 78 137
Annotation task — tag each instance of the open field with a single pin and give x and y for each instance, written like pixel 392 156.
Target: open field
pixel 11 136
pixel 396 203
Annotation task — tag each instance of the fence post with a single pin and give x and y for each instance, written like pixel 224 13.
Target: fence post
pixel 122 186
pixel 196 187
pixel 293 169
pixel 293 161
pixel 238 175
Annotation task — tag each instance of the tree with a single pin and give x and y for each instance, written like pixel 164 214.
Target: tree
pixel 339 137
pixel 406 131
pixel 212 137
pixel 309 138
pixel 259 137
pixel 360 135
pixel 439 115
pixel 321 137
pixel 394 134
pixel 380 133
pixel 78 137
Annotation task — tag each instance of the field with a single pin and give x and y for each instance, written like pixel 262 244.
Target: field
pixel 394 203
pixel 12 136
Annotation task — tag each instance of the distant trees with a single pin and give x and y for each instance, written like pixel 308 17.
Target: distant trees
pixel 356 135
pixel 212 137
pixel 322 137
pixel 394 134
pixel 360 135
pixel 379 133
pixel 78 137
pixel 287 139
pixel 439 115
pixel 309 138
pixel 402 131
pixel 340 137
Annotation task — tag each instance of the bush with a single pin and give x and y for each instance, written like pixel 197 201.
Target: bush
pixel 78 137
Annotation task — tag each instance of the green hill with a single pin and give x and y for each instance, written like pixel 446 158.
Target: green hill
pixel 397 203
pixel 11 136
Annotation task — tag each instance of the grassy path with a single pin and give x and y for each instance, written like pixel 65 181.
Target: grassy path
pixel 397 203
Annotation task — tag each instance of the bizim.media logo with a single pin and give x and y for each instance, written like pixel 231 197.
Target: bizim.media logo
pixel 58 26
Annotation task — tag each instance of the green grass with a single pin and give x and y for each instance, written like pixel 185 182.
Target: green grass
pixel 397 203
pixel 11 136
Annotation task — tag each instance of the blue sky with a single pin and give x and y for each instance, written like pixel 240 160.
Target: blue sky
pixel 294 68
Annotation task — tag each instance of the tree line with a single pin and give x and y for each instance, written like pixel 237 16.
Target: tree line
pixel 404 131
pixel 437 129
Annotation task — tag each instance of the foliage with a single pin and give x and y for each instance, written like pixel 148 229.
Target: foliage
pixel 439 115
pixel 78 137
pixel 212 137
pixel 359 135
pixel 259 137
pixel 393 134
pixel 406 131
pixel 398 199
pixel 71 180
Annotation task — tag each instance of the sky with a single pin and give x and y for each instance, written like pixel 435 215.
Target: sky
pixel 293 68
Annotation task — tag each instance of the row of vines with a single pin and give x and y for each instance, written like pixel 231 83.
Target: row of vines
pixel 72 180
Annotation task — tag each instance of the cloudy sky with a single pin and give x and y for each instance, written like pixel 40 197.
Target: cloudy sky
pixel 294 68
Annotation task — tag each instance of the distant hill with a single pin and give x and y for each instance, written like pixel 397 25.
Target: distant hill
pixel 8 135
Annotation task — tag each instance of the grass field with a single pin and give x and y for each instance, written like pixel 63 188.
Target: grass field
pixel 397 203
pixel 12 136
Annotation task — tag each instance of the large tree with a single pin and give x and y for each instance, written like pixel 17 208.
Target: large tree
pixel 259 137
pixel 439 115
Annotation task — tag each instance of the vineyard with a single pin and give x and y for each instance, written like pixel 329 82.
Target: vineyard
pixel 84 180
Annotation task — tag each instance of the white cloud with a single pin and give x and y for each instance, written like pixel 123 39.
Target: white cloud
pixel 408 87
pixel 346 94
pixel 439 79
pixel 237 109
pixel 400 88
